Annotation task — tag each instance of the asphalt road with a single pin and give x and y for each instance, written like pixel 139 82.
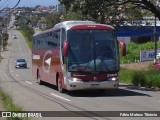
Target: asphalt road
pixel 31 96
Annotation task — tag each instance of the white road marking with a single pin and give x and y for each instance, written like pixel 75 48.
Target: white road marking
pixel 17 75
pixel 20 47
pixel 28 82
pixel 155 101
pixel 60 97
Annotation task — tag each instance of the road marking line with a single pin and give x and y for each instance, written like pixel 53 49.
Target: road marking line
pixel 20 47
pixel 60 97
pixel 17 75
pixel 28 82
pixel 155 101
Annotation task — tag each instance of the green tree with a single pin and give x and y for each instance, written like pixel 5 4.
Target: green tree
pixel 72 16
pixel 112 11
pixel 52 19
pixel 5 39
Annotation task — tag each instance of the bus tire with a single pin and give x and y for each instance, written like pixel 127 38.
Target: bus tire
pixel 40 82
pixel 59 85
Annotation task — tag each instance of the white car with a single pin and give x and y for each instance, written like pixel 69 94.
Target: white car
pixel 158 56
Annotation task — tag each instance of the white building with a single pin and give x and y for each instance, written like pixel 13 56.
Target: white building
pixel 60 8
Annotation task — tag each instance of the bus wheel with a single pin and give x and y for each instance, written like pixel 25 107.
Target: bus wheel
pixel 40 82
pixel 59 85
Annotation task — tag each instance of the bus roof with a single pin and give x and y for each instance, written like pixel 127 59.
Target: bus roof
pixel 72 24
pixel 69 24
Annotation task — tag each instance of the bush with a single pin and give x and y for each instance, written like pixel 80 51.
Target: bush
pixel 138 78
pixel 28 32
pixel 153 78
pixel 149 78
pixel 158 83
pixel 125 75
pixel 149 83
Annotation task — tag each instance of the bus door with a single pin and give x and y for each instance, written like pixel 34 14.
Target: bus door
pixel 63 59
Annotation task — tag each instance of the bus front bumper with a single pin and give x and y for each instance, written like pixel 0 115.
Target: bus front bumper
pixel 80 85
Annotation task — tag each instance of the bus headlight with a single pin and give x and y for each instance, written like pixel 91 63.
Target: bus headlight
pixel 75 79
pixel 113 79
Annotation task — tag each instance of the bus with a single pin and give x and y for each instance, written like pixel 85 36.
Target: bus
pixel 77 55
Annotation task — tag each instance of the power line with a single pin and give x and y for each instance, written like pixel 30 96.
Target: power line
pixel 3 4
pixel 12 7
pixel 16 4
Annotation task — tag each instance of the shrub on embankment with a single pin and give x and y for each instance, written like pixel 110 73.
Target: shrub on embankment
pixel 27 32
pixel 143 78
pixel 9 105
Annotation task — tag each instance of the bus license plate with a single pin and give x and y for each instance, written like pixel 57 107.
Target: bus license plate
pixel 95 84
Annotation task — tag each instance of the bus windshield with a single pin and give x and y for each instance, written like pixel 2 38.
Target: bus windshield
pixel 92 50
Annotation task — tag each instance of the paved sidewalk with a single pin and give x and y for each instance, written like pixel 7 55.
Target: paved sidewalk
pixel 1 102
pixel 5 55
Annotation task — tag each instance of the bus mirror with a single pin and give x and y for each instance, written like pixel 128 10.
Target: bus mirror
pixel 65 48
pixel 123 47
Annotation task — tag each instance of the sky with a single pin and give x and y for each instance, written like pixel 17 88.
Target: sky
pixel 27 3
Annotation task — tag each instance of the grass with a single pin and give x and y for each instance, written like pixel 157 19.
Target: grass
pixel 143 78
pixel 1 58
pixel 133 51
pixel 9 105
pixel 26 39
pixel 146 78
pixel 126 75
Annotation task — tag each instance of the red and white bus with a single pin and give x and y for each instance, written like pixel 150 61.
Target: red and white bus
pixel 77 55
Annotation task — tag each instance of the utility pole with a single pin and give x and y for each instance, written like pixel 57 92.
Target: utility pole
pixel 1 49
pixel 155 39
pixel 0 35
pixel 0 42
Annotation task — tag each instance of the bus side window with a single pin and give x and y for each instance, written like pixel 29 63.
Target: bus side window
pixel 52 40
pixel 33 43
pixel 58 38
pixel 63 37
pixel 43 39
pixel 37 43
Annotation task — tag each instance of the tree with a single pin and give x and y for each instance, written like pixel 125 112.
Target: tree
pixel 5 39
pixel 113 11
pixel 29 9
pixel 149 5
pixel 52 19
